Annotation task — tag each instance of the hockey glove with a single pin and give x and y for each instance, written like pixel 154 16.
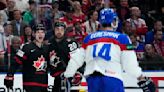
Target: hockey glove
pixel 147 85
pixel 57 66
pixel 76 80
pixel 8 81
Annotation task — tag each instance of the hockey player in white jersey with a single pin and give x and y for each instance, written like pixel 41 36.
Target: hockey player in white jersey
pixel 107 54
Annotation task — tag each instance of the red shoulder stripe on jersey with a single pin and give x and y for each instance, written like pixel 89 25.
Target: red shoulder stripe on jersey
pixel 110 40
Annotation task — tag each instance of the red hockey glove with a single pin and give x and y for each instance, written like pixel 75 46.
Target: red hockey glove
pixel 76 80
pixel 8 81
pixel 147 85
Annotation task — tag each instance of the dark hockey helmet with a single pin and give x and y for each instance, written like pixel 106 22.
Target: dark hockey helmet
pixel 39 27
pixel 59 24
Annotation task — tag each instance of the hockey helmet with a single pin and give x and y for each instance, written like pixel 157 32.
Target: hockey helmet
pixel 59 24
pixel 39 27
pixel 107 16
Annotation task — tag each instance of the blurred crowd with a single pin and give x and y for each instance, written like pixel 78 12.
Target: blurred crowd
pixel 142 20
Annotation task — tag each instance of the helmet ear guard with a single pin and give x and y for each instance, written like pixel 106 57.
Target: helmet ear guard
pixel 114 24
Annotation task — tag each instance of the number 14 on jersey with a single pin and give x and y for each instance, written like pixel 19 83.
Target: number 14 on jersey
pixel 103 52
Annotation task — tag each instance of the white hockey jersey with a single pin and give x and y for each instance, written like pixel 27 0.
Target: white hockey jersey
pixel 107 52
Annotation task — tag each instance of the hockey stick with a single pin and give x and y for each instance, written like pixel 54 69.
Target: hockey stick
pixel 65 85
pixel 68 86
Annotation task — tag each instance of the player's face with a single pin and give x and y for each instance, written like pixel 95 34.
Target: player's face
pixel 39 36
pixel 59 32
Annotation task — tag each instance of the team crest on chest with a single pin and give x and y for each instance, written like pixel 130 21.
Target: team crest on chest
pixel 40 64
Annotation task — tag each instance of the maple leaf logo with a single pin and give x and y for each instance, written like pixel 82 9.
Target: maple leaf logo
pixel 39 64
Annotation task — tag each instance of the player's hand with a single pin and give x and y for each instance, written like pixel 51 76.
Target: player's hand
pixel 76 80
pixel 8 81
pixel 146 84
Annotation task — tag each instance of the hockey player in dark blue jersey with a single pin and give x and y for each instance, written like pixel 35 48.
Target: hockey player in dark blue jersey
pixel 107 53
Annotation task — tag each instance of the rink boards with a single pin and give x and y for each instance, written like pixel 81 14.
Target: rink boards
pixel 129 82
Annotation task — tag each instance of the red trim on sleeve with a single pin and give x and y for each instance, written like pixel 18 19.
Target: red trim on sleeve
pixel 123 47
pixel 84 45
pixel 18 60
pixel 35 84
pixel 57 73
pixel 24 57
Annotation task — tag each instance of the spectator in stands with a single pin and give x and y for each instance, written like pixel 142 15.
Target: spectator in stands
pixel 22 5
pixel 77 32
pixel 86 4
pixel 162 14
pixel 150 34
pixel 97 5
pixel 11 50
pixel 78 15
pixel 151 59
pixel 138 24
pixel 92 24
pixel 64 4
pixel 127 28
pixel 2 19
pixel 8 32
pixel 27 37
pixel 151 55
pixel 56 13
pixel 3 47
pixel 2 4
pixel 67 19
pixel 134 2
pixel 43 18
pixel 18 24
pixel 158 43
pixel 5 42
pixel 138 46
pixel 10 9
pixel 123 11
pixel 30 12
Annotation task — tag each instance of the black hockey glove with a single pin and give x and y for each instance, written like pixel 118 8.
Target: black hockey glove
pixel 8 81
pixel 76 80
pixel 147 85
pixel 57 66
